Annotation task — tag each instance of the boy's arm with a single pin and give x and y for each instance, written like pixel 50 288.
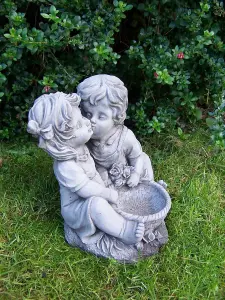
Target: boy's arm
pixel 135 176
pixel 134 157
pixel 137 163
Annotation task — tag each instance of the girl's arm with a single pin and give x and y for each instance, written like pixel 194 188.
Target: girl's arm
pixel 69 174
pixel 92 188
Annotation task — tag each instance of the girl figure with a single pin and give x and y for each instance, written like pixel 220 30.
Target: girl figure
pixel 85 201
pixel 104 103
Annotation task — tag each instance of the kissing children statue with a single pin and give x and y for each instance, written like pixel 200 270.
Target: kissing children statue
pixel 85 201
pixel 95 218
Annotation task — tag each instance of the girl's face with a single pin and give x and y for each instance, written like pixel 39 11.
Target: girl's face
pixel 101 118
pixel 82 129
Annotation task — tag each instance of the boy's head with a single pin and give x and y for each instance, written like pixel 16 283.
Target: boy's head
pixel 108 88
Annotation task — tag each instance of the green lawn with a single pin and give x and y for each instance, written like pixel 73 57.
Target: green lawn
pixel 36 263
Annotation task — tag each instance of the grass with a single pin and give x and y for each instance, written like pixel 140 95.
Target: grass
pixel 36 263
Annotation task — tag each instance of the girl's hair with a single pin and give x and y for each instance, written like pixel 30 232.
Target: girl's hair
pixel 98 87
pixel 50 119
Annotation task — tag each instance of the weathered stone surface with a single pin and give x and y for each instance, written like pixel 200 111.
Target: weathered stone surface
pixel 109 201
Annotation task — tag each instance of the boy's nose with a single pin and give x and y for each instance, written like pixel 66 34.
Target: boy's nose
pixel 93 120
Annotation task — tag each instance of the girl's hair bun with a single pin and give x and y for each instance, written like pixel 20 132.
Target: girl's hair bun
pixel 46 133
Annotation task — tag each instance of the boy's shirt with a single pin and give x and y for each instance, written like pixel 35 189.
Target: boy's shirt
pixel 121 143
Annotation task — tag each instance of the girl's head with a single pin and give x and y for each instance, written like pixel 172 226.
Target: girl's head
pixel 104 102
pixel 57 121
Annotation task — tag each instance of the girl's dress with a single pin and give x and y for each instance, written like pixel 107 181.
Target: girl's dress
pixel 72 175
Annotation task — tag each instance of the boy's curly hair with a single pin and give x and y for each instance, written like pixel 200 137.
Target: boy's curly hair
pixel 98 87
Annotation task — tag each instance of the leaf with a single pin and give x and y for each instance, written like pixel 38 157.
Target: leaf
pixel 209 42
pixel 1 94
pixel 198 114
pixel 129 7
pixel 210 122
pixel 179 131
pixel 7 35
pixel 141 6
pixel 53 10
pixel 215 27
pixel 24 31
pixel 221 60
pixel 46 16
pixel 3 66
pixel 30 47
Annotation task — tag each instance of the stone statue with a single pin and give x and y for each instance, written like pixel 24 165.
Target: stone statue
pixel 104 103
pixel 109 202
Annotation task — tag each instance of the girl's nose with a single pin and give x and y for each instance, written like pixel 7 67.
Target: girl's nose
pixel 87 122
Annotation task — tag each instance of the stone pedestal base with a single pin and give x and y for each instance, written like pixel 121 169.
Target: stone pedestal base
pixel 110 247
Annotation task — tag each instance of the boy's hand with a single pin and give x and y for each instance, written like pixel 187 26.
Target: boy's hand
pixel 113 196
pixel 133 180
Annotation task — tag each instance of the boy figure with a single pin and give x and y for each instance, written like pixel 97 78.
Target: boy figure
pixel 104 103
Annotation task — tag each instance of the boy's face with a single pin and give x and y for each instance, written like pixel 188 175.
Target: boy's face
pixel 101 117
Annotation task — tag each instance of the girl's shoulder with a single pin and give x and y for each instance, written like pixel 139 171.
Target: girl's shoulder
pixel 69 174
pixel 63 166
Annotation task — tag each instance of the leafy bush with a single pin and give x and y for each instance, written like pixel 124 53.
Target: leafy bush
pixel 170 54
pixel 217 125
pixel 180 55
pixel 51 45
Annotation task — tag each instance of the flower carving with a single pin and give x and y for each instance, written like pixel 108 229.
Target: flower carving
pixel 116 171
pixel 119 182
pixel 119 174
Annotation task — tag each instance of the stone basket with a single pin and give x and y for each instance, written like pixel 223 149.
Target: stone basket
pixel 149 203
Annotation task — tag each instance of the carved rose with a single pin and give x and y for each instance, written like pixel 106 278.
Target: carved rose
pixel 119 174
pixel 119 182
pixel 116 171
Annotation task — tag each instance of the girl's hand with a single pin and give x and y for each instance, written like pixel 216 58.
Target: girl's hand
pixel 133 180
pixel 113 196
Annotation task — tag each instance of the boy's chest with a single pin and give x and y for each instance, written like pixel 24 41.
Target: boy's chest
pixel 103 150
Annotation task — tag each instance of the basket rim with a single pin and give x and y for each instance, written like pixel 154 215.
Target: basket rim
pixel 154 217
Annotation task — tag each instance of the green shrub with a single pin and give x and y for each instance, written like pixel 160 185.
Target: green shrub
pixel 51 45
pixel 170 54
pixel 217 125
pixel 180 53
